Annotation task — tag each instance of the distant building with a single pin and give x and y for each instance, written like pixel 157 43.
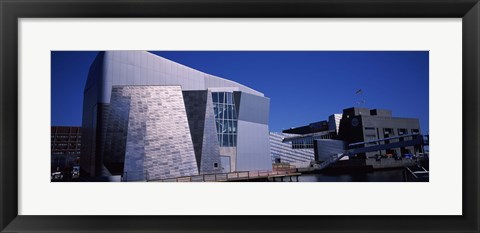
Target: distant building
pixel 295 145
pixel 358 128
pixel 365 125
pixel 65 148
pixel 302 137
pixel 146 118
pixel 334 122
pixel 284 153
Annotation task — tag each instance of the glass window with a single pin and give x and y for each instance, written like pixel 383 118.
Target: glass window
pixel 225 140
pixel 220 111
pixel 225 118
pixel 220 128
pixel 228 114
pixel 234 112
pixel 230 110
pixel 225 126
pixel 215 110
pixel 221 97
pixel 230 127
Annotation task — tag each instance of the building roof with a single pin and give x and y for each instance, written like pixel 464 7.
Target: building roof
pixel 308 129
pixel 310 135
pixel 112 68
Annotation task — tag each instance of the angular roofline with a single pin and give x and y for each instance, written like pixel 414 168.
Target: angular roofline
pixel 204 72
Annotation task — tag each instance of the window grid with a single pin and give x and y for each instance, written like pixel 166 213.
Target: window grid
pixel 225 118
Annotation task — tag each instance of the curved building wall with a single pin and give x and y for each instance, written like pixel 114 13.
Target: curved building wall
pixel 144 68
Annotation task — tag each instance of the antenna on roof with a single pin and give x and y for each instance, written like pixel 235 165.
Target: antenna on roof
pixel 361 102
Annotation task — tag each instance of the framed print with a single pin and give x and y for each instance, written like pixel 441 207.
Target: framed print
pixel 192 109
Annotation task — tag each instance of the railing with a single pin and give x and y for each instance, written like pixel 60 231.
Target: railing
pixel 232 176
pixel 333 159
pixel 421 170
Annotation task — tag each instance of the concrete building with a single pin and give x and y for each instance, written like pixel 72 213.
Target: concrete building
pixel 365 125
pixel 146 118
pixel 359 128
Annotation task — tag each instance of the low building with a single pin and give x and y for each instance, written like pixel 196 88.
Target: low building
pixel 371 126
pixel 297 144
pixel 282 152
pixel 302 137
pixel 356 129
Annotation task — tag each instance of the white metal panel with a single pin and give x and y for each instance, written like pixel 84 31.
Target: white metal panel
pixel 225 164
pixel 117 71
pixel 253 147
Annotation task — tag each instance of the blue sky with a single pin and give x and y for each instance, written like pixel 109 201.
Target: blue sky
pixel 303 86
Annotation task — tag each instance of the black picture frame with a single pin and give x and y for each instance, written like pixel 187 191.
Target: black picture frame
pixel 11 11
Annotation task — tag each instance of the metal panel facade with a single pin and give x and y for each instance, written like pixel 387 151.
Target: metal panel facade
pixel 286 154
pixel 158 143
pixel 199 107
pixel 144 68
pixel 253 147
pixel 158 119
pixel 254 108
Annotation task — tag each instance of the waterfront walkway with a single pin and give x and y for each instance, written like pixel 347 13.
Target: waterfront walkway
pixel 242 176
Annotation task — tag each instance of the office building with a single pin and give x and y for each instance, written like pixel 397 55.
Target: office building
pixel 358 128
pixel 371 126
pixel 65 148
pixel 149 118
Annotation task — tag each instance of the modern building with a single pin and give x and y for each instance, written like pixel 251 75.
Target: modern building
pixel 372 126
pixel 282 152
pixel 359 128
pixel 146 118
pixel 302 137
pixel 296 145
pixel 65 148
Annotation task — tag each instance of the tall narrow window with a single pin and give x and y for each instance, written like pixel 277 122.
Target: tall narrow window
pixel 225 118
